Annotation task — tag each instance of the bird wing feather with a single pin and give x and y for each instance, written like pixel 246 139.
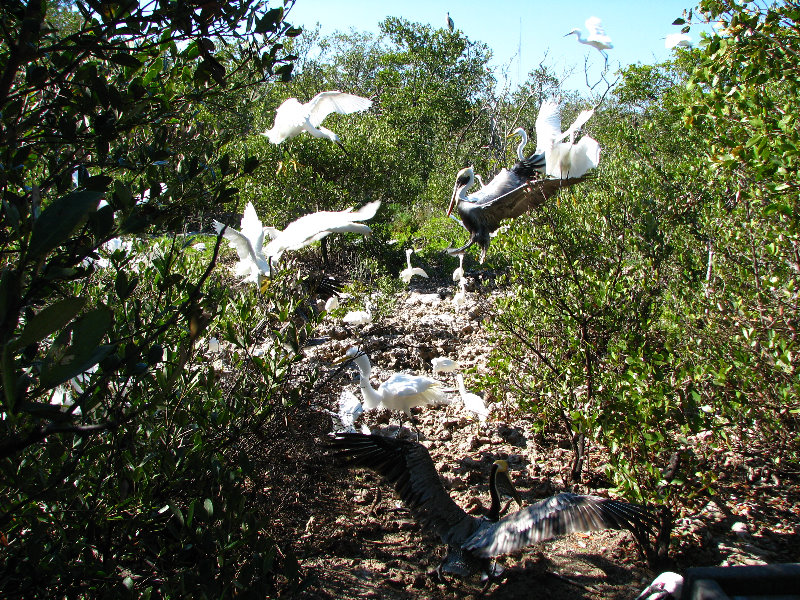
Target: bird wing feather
pixel 594 25
pixel 408 466
pixel 240 242
pixel 548 126
pixel 289 120
pixel 558 515
pixel 326 103
pixel 403 385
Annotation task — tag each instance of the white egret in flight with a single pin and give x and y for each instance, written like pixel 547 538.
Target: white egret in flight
pixel 292 117
pixel 597 37
pixel 253 264
pixel 409 272
pixel 314 227
pixel 565 158
pixel 680 39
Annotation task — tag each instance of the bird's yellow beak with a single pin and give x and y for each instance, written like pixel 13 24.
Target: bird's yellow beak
pixel 453 199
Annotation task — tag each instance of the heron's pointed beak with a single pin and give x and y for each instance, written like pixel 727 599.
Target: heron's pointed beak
pixel 453 199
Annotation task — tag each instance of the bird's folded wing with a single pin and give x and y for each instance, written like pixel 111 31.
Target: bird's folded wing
pixel 404 384
pixel 326 103
pixel 559 515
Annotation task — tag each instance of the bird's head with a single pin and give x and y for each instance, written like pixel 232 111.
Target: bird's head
pixel 574 31
pixel 464 179
pixel 518 131
pixel 503 482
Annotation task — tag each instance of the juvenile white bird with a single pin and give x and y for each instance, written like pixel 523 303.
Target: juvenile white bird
pixel 563 157
pixel 409 272
pixel 292 117
pixel 401 392
pixel 681 40
pixel 331 303
pixel 458 274
pixel 442 364
pixel 596 38
pixel 314 227
pixel 472 402
pixel 253 264
pixel 667 586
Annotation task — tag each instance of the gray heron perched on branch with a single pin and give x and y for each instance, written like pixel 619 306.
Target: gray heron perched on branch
pixel 293 117
pixel 474 541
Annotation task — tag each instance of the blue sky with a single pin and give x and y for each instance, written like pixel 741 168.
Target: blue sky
pixel 637 29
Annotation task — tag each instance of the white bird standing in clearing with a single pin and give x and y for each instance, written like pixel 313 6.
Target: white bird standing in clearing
pixel 472 402
pixel 458 274
pixel 565 159
pixel 359 317
pixel 442 364
pixel 667 586
pixel 680 39
pixel 401 392
pixel 314 227
pixel 597 37
pixel 409 272
pixel 253 264
pixel 292 117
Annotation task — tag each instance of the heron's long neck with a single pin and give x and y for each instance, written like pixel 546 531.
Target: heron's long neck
pixel 372 399
pixel 494 510
pixel 522 144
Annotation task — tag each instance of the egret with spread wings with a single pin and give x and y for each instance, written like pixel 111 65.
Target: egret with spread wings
pixel 473 541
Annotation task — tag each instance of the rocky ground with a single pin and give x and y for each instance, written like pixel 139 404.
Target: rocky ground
pixel 354 540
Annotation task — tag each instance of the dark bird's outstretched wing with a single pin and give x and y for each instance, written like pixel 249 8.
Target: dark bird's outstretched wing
pixel 408 466
pixel 558 515
pixel 522 199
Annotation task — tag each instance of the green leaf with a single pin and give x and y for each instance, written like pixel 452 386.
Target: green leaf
pixel 58 221
pixel 62 364
pixel 126 60
pixel 49 320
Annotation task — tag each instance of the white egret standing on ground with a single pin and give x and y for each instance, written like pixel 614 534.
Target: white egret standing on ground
pixel 292 117
pixel 472 402
pixel 458 274
pixel 359 317
pixel 597 37
pixel 409 272
pixel 680 39
pixel 401 392
pixel 565 158
pixel 253 264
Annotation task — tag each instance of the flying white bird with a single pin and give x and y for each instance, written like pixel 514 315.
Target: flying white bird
pixel 597 37
pixel 472 402
pixel 253 264
pixel 409 272
pixel 667 586
pixel 563 157
pixel 292 117
pixel 683 40
pixel 401 392
pixel 314 227
pixel 442 364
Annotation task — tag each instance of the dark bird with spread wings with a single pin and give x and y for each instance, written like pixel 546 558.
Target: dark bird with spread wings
pixel 510 194
pixel 473 541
